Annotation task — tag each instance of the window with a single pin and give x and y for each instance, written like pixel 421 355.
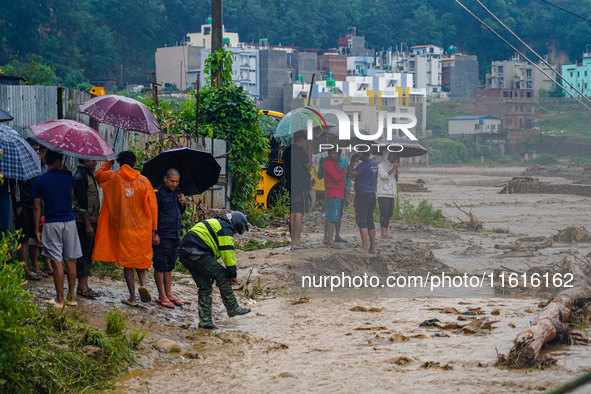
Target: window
pixel 411 65
pixel 207 31
pixel 500 71
pixel 585 73
pixel 571 74
pixel 501 83
pixel 528 85
pixel 578 73
pixel 528 73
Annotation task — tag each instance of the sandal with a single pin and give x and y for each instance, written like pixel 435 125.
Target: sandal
pixel 88 293
pixel 166 304
pixel 145 295
pixel 33 276
pixel 177 302
pixel 341 239
pixel 126 302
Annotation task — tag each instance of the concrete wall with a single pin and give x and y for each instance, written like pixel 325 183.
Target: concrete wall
pixel 273 76
pixel 464 76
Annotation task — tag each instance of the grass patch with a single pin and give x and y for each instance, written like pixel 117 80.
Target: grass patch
pixel 500 230
pixel 100 269
pixel 252 244
pixel 65 356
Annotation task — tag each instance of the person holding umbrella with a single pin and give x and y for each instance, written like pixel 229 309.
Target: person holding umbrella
pixel 386 191
pixel 171 206
pixel 127 223
pixel 60 237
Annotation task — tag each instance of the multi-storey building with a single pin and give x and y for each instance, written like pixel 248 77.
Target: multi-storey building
pixel 579 75
pixel 519 75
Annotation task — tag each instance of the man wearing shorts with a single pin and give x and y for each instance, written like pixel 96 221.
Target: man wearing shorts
pixel 60 237
pixel 334 183
pixel 171 206
pixel 365 174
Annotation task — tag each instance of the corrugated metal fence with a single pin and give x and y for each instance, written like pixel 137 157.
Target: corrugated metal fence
pixel 34 104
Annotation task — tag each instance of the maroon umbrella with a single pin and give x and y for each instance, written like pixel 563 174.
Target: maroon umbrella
pixel 121 111
pixel 72 139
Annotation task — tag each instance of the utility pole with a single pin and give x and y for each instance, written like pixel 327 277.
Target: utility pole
pixel 216 35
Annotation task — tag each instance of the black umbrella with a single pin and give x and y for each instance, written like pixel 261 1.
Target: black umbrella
pixel 5 116
pixel 199 170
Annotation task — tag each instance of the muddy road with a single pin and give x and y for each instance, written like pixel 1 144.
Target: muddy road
pixel 357 340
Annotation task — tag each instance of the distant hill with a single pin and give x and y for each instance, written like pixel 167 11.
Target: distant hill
pixel 95 39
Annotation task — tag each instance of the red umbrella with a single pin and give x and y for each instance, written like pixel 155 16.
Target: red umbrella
pixel 72 139
pixel 121 111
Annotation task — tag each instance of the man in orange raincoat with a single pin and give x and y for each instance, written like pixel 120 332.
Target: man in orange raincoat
pixel 127 223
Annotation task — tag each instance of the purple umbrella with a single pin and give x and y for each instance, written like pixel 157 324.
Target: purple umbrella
pixel 121 111
pixel 72 139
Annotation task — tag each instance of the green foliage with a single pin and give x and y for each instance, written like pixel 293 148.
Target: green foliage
pixel 15 308
pixel 257 218
pixel 279 212
pixel 545 159
pixel 421 214
pixel 101 269
pixel 227 113
pixel 49 351
pixel 116 322
pixel 36 71
pixel 253 244
pixel 219 61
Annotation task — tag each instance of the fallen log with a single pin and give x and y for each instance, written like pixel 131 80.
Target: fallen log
pixel 552 322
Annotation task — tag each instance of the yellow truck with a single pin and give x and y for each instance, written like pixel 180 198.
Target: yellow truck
pixel 273 174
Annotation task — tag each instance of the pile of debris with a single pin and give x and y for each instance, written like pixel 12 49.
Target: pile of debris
pixel 572 235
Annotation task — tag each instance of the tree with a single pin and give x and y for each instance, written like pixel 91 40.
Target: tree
pixel 36 72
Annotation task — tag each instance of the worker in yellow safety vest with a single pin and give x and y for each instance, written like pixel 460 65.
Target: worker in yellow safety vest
pixel 199 250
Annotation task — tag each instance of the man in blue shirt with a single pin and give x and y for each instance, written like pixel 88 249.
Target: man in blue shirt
pixel 171 206
pixel 60 237
pixel 366 176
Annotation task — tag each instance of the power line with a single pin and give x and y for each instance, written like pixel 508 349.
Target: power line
pixel 565 10
pixel 521 54
pixel 532 51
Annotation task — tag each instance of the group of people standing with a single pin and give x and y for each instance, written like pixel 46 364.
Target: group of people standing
pixel 137 227
pixel 372 183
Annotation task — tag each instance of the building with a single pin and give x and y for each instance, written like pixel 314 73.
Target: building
pixel 334 63
pixel 203 38
pixel 578 75
pixel 302 64
pixel 515 107
pixel 365 96
pixel 274 76
pixel 354 45
pixel 423 62
pixel 245 69
pixel 515 74
pixel 459 75
pixel 177 67
pixel 479 128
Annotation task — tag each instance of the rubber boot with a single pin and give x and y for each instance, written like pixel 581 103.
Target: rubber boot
pixel 205 314
pixel 230 302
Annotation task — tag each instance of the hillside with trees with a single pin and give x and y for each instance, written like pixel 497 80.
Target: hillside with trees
pixel 92 39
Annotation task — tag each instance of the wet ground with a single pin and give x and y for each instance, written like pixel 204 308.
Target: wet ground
pixel 358 340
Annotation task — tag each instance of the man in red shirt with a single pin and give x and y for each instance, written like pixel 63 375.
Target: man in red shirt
pixel 334 183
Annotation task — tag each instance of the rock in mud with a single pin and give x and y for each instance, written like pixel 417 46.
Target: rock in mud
pixel 167 345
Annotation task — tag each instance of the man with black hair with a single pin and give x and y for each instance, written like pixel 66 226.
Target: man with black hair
pixel 127 223
pixel 199 250
pixel 298 162
pixel 171 206
pixel 86 210
pixel 60 237
pixel 366 176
